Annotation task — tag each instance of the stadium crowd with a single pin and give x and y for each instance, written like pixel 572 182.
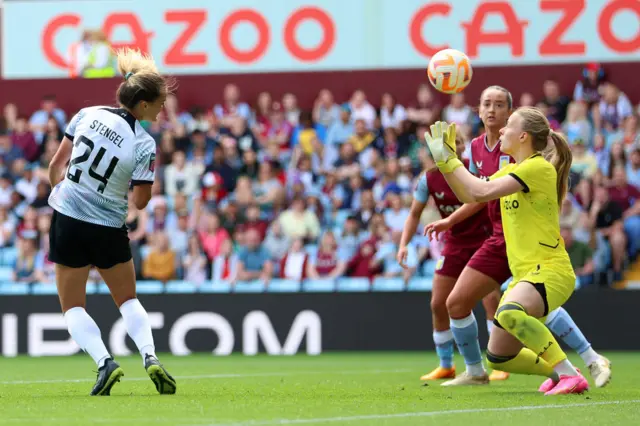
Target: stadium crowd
pixel 246 192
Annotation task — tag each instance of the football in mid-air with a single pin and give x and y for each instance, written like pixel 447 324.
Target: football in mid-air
pixel 450 71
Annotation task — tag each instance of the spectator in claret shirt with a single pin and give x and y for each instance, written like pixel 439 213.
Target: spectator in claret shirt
pixel 328 261
pixel 261 118
pixel 24 139
pixel 280 129
pixel 627 197
pixel 231 106
pixel 253 221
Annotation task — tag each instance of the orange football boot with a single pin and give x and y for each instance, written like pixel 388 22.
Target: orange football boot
pixel 497 375
pixel 439 374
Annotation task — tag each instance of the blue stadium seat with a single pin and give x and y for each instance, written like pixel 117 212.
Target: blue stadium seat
pixel 429 268
pixel 9 256
pixel 319 286
pixel 353 285
pixel 504 286
pixel 341 217
pixel 101 288
pixel 255 286
pixel 44 289
pixel 6 273
pixel 9 288
pixel 180 287
pixel 215 287
pixel 388 284
pixel 311 249
pixel 149 287
pixel 283 286
pixel 420 284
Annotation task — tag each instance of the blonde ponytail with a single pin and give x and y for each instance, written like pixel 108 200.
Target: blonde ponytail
pixel 142 80
pixel 561 158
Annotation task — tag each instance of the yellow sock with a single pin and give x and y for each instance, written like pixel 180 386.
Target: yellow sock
pixel 525 362
pixel 531 332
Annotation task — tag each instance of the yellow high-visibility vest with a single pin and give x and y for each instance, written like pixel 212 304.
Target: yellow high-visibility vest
pixel 107 71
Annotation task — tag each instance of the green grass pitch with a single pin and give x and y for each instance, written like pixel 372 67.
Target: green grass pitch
pixel 332 389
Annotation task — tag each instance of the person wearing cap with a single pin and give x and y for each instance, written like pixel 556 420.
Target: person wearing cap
pixel 588 88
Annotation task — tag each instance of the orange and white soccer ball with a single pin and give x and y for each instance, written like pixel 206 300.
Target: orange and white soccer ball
pixel 450 71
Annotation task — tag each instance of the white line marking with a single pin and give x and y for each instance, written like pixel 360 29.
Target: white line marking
pixel 210 376
pixel 417 414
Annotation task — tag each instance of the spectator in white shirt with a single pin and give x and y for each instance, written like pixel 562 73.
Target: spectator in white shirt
pixel 6 189
pixel 457 111
pixel 28 184
pixel 194 262
pixel 179 176
pixel 361 109
pixel 392 114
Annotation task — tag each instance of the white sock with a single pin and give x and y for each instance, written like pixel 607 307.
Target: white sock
pixel 476 370
pixel 565 368
pixel 136 321
pixel 84 330
pixel 589 356
pixel 489 326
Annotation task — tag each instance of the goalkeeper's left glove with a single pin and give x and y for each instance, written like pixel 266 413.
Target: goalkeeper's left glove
pixel 442 144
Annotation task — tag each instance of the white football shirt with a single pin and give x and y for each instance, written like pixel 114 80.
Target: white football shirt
pixel 110 150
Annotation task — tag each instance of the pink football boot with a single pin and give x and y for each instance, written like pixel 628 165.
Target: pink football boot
pixel 549 384
pixel 569 384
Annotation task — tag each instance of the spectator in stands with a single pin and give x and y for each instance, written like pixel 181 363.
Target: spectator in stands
pixel 588 89
pixel 242 135
pixel 361 109
pixel 633 167
pixel 225 265
pixel 298 222
pixel 341 130
pixel 261 117
pixel 160 263
pixel 52 131
pixel 9 117
pixel 276 242
pixel 347 164
pixel 386 257
pixel 396 214
pixel 325 110
pixel 614 108
pixel 180 235
pixel 24 269
pixel 159 217
pixel 527 100
pixel 212 236
pixel 367 208
pixel 584 162
pixel 22 138
pixel 361 264
pixel 42 196
pixel 194 262
pixel 392 114
pixel 27 184
pixel 627 197
pixel 179 176
pixel 293 265
pixel 362 137
pixel 577 125
pixel 291 109
pixel 426 110
pixel 8 151
pixel 253 221
pixel 48 108
pixel 254 262
pixel 458 111
pixel 328 261
pixel 617 158
pixel 606 217
pixel 6 189
pixel 231 105
pixel 7 228
pixel 580 254
pixel 280 130
pixel 554 100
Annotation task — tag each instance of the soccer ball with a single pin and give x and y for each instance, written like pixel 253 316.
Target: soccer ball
pixel 450 71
